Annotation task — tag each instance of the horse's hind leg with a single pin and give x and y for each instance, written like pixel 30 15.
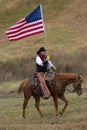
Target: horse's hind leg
pixel 37 102
pixel 26 99
pixel 25 105
pixel 62 97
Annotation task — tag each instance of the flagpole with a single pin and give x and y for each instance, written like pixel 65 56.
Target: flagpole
pixel 45 37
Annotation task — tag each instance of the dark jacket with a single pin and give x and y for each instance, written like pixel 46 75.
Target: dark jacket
pixel 42 68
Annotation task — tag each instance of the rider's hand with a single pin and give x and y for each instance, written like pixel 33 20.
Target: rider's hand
pixel 54 68
pixel 47 57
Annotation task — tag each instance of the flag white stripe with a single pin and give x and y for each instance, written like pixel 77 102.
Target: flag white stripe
pixel 26 29
pixel 27 24
pixel 18 24
pixel 28 33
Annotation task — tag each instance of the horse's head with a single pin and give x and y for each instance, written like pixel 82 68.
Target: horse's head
pixel 77 85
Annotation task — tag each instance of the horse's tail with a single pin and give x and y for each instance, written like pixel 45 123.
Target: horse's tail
pixel 20 88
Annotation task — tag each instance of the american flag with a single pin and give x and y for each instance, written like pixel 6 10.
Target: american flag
pixel 28 26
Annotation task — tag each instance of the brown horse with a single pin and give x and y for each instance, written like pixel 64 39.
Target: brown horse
pixel 57 89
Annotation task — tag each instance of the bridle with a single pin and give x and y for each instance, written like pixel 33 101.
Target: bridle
pixel 75 89
pixel 69 89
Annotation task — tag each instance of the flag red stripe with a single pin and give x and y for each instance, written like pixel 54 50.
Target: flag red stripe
pixel 24 27
pixel 21 21
pixel 17 26
pixel 27 35
pixel 30 30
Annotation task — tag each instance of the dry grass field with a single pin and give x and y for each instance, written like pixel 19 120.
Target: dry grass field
pixel 74 118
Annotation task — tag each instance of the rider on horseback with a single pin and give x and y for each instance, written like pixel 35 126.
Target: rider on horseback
pixel 43 64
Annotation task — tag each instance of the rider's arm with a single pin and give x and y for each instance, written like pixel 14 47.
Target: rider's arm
pixel 39 61
pixel 50 65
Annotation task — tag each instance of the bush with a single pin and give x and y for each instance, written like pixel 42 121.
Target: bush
pixel 25 68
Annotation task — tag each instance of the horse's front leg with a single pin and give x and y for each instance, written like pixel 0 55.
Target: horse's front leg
pixel 37 102
pixel 62 97
pixel 55 99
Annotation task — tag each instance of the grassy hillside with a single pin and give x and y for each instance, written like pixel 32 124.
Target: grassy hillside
pixel 66 29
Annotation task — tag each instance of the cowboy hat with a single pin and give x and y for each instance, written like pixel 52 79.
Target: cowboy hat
pixel 41 49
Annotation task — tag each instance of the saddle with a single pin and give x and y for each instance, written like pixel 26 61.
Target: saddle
pixel 36 84
pixel 49 77
pixel 33 81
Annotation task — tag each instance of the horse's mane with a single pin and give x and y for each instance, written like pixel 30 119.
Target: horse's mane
pixel 66 75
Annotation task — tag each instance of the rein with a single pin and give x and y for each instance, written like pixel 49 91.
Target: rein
pixel 69 89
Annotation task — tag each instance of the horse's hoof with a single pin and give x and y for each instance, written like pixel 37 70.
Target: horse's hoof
pixel 56 114
pixel 61 113
pixel 53 123
pixel 23 116
pixel 41 116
